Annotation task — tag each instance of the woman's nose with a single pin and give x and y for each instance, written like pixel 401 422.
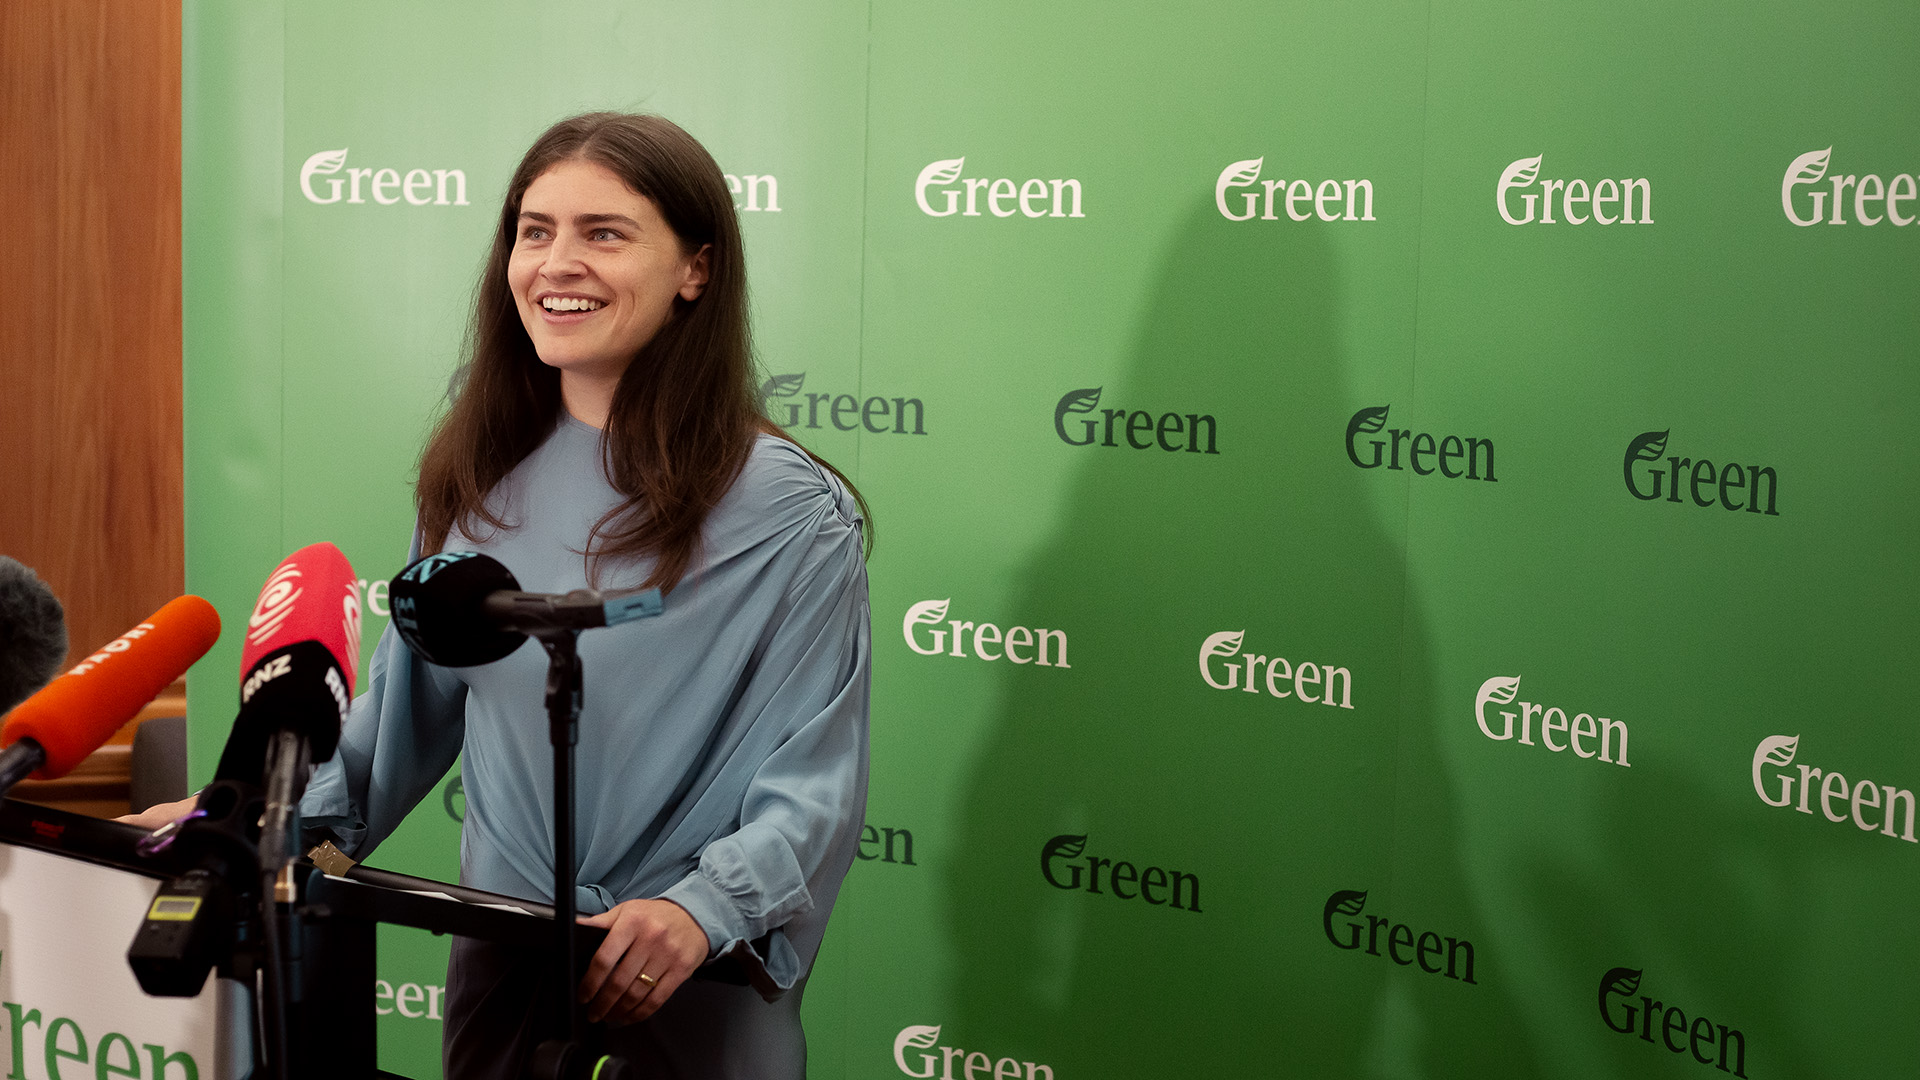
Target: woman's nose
pixel 563 258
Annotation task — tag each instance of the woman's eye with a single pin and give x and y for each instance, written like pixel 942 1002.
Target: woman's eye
pixel 533 232
pixel 604 234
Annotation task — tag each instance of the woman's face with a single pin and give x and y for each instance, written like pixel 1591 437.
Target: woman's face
pixel 595 269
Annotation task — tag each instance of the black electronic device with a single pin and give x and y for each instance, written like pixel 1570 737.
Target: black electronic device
pixel 183 936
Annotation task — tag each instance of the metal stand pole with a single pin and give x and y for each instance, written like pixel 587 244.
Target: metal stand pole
pixel 565 1056
pixel 563 723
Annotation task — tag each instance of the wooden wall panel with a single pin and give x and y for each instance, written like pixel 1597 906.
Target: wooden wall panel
pixel 90 376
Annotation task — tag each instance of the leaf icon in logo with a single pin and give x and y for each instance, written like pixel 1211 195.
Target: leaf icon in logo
pixel 920 1035
pixel 1779 749
pixel 1242 173
pixel 326 161
pixel 1349 903
pixel 942 172
pixel 1501 689
pixel 1224 643
pixel 782 385
pixel 1622 981
pixel 929 611
pixel 1067 847
pixel 1369 420
pixel 1079 400
pixel 1809 167
pixel 1522 172
pixel 1648 446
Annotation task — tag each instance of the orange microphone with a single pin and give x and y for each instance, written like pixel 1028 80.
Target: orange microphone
pixel 53 731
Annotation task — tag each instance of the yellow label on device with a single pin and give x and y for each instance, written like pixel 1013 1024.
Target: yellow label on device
pixel 174 908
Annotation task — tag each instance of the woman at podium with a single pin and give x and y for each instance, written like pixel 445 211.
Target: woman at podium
pixel 605 433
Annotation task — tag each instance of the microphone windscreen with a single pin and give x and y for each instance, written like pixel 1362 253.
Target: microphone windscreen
pixel 311 596
pixel 81 709
pixel 33 633
pixel 437 605
pixel 297 664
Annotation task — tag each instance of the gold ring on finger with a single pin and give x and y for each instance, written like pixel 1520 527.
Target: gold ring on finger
pixel 646 978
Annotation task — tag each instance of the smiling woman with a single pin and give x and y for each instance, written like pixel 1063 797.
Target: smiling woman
pixel 606 433
pixel 630 212
pixel 595 271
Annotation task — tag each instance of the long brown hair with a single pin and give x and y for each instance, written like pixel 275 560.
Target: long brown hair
pixel 684 414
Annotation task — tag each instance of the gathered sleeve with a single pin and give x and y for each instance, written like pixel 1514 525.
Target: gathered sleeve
pixel 396 742
pixel 763 892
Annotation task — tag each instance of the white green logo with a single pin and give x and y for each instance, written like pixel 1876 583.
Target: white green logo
pixel 1224 667
pixel 1301 200
pixel 1869 805
pixel 1558 732
pixel 956 1063
pixel 982 641
pixel 1003 198
pixel 386 186
pixel 755 188
pixel 1604 202
pixel 1874 199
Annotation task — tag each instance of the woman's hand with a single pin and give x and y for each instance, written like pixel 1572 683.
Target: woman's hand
pixel 654 938
pixel 155 816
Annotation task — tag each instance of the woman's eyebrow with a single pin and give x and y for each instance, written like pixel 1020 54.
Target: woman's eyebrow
pixel 602 219
pixel 583 219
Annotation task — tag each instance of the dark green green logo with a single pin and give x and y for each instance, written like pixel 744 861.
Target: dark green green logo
pixel 1424 454
pixel 884 846
pixel 1624 983
pixel 1350 904
pixel 782 401
pixel 1734 486
pixel 1170 431
pixel 1060 864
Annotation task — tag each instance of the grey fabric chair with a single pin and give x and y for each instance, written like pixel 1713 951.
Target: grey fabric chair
pixel 159 762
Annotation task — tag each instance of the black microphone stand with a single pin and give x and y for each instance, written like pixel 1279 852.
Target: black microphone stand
pixel 286 770
pixel 564 1058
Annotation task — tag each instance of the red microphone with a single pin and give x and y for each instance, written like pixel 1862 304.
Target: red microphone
pixel 53 731
pixel 299 660
pixel 310 597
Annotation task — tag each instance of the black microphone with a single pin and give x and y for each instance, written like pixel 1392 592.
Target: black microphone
pixel 462 609
pixel 33 634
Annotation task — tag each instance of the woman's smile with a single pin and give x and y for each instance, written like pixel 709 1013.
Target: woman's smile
pixel 558 307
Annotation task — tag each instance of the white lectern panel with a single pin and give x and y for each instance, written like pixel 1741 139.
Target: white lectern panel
pixel 69 1005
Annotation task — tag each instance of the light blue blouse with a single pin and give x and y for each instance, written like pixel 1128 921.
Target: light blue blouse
pixel 722 761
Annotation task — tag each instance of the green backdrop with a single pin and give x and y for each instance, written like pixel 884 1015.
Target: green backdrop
pixel 1230 378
